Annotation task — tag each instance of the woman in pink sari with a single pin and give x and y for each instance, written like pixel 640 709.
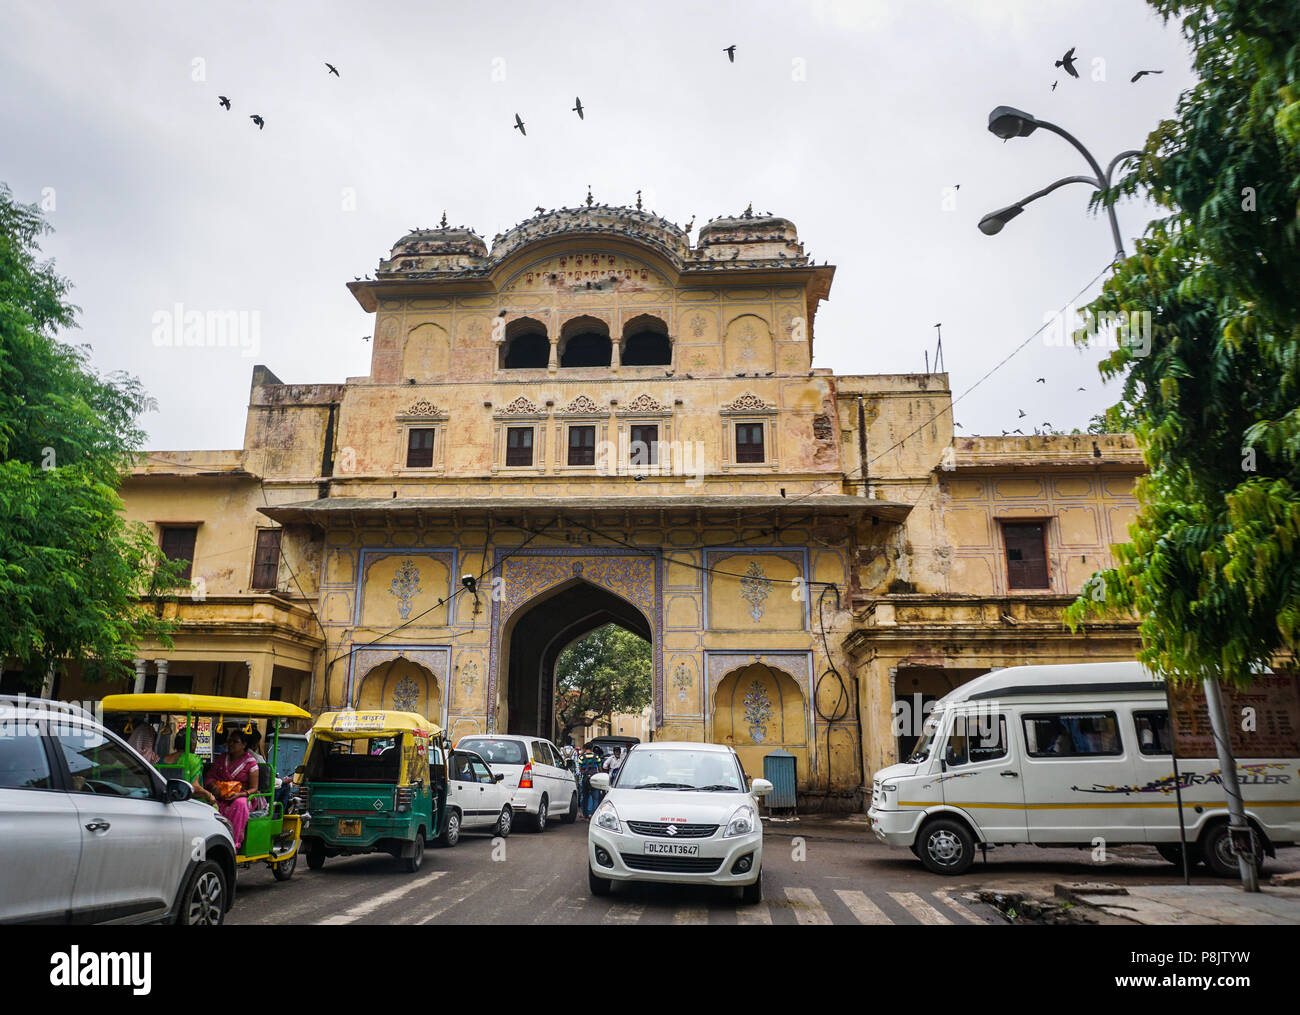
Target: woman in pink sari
pixel 238 766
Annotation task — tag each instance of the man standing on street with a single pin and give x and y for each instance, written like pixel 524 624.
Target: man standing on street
pixel 588 765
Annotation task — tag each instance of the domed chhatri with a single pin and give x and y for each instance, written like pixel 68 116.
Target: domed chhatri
pixel 743 241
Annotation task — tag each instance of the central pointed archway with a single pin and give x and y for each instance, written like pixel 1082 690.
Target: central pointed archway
pixel 551 600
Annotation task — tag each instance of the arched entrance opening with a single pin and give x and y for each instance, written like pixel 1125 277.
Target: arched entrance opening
pixel 401 685
pixel 534 637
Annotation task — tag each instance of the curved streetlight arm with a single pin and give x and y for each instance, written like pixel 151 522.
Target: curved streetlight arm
pixel 1116 161
pixel 1096 167
pixel 1054 186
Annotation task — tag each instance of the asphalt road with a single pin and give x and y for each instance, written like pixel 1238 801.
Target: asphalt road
pixel 813 874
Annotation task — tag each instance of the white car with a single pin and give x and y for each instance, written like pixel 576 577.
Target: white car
pixel 93 833
pixel 477 798
pixel 536 774
pixel 678 812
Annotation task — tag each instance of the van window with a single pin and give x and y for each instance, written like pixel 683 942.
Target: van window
pixel 1072 735
pixel 1153 735
pixel 497 751
pixel 977 738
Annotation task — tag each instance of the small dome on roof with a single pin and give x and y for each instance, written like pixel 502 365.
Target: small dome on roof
pixel 443 240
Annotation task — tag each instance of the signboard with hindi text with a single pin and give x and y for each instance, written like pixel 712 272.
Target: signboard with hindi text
pixel 1263 719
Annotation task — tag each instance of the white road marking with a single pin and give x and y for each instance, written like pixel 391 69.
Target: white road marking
pixel 919 908
pixel 862 908
pixel 807 910
pixel 754 915
pixel 467 888
pixel 621 913
pixel 691 915
pixel 379 901
pixel 957 907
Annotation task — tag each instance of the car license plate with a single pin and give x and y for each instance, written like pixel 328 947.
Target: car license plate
pixel 672 849
pixel 350 827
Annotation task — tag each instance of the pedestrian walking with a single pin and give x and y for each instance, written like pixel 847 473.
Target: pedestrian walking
pixel 588 765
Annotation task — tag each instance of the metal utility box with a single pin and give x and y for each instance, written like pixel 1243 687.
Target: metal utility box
pixel 780 770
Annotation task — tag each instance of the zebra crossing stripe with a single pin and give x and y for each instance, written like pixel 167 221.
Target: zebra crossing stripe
pixel 807 910
pixel 379 901
pixel 920 909
pixel 957 907
pixel 754 915
pixel 862 908
pixel 619 913
pixel 691 915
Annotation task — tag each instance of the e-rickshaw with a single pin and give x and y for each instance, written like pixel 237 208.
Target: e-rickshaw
pixel 375 782
pixel 272 836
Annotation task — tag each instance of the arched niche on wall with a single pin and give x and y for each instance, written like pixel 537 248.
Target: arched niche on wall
pixel 526 345
pixel 427 353
pixel 585 342
pixel 646 342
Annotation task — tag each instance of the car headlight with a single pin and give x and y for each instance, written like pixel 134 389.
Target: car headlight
pixel 225 821
pixel 607 818
pixel 741 822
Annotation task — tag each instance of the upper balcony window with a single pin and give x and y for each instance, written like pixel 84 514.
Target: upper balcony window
pixel 646 343
pixel 526 345
pixel 178 544
pixel 584 342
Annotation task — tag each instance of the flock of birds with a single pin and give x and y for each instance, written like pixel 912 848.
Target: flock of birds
pixel 258 120
pixel 1066 63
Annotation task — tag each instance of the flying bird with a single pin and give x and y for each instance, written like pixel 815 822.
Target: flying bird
pixel 1083 389
pixel 1067 62
pixel 224 102
pixel 1054 84
pixel 1041 380
pixel 731 53
pixel 1143 72
pixel 1021 432
pixel 333 70
pixel 1022 414
pixel 519 125
pixel 258 120
pixel 578 107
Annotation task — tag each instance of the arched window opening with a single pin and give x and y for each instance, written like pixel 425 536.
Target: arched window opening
pixel 646 343
pixel 526 345
pixel 584 342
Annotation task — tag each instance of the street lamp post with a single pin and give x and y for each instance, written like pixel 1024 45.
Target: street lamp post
pixel 1006 122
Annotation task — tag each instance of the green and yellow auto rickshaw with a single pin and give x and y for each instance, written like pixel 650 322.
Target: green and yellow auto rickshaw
pixel 375 782
pixel 272 836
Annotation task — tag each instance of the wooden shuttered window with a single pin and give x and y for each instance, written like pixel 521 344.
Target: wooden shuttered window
pixel 1026 555
pixel 178 544
pixel 419 448
pixel 266 560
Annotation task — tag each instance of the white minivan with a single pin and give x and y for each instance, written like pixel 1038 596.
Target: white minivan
pixel 534 771
pixel 1064 756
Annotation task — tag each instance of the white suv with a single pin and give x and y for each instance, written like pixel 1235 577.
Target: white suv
pixel 534 771
pixel 93 833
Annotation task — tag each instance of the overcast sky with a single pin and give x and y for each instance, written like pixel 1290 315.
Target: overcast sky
pixel 849 118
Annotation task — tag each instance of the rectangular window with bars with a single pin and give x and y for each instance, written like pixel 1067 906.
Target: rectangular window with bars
pixel 419 447
pixel 1026 555
pixel 749 443
pixel 519 445
pixel 266 560
pixel 582 445
pixel 644 446
pixel 178 544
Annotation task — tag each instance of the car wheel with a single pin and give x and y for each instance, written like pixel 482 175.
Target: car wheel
pixel 1216 850
pixel 947 847
pixel 411 863
pixel 315 855
pixel 204 901
pixel 504 821
pixel 451 834
pixel 1173 852
pixel 752 895
pixel 283 870
pixel 539 819
pixel 598 886
pixel 572 816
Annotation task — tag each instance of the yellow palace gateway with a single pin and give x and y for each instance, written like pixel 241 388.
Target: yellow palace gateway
pixel 271 836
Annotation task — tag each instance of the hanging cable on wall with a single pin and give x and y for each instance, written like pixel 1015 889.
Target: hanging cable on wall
pixel 843 703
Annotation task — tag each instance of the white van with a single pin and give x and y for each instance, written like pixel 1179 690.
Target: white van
pixel 1063 756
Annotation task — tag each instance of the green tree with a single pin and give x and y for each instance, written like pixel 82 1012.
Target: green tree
pixel 72 570
pixel 1211 568
pixel 606 672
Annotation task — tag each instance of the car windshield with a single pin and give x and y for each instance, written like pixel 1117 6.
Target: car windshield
pixel 714 771
pixel 922 749
pixel 497 752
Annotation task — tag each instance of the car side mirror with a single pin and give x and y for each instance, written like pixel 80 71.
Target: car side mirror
pixel 498 776
pixel 600 781
pixel 760 787
pixel 177 790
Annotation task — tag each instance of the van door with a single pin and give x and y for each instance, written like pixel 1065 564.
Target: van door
pixel 980 773
pixel 1079 780
pixel 1153 760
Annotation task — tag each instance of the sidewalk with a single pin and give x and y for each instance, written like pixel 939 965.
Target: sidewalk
pixel 1177 905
